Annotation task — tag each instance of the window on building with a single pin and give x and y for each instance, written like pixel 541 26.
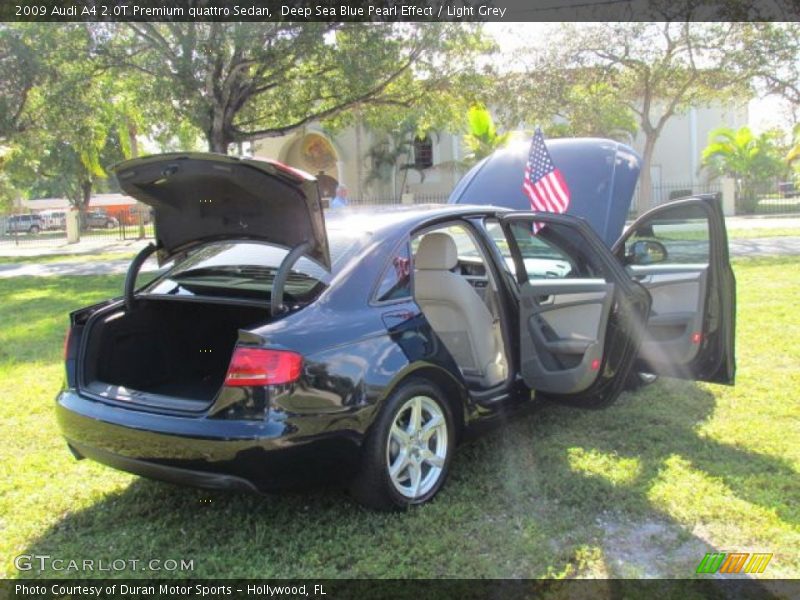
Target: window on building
pixel 423 153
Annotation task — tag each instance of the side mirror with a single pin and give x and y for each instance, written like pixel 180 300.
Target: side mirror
pixel 646 252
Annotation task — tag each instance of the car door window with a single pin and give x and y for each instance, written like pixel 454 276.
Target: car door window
pixel 674 236
pixel 395 283
pixel 554 252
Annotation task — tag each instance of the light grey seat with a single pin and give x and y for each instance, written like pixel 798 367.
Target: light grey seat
pixel 456 312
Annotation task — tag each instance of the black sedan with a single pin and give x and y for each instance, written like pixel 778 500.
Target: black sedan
pixel 283 345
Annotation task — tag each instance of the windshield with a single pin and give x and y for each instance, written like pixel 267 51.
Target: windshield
pixel 247 270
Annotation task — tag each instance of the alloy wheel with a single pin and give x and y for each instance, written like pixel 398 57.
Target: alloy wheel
pixel 417 446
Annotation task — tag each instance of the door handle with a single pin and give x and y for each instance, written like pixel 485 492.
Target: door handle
pixel 542 300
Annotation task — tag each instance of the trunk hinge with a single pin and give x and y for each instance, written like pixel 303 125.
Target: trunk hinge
pixel 133 271
pixel 276 298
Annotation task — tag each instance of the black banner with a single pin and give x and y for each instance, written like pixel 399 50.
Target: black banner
pixel 415 589
pixel 399 10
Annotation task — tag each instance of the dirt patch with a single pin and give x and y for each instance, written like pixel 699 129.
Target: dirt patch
pixel 650 548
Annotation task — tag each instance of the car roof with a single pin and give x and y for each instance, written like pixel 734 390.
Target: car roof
pixel 385 219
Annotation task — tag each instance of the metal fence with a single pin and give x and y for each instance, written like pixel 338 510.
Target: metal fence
pixel 773 197
pixel 49 228
pixel 667 192
pixel 766 198
pixel 409 199
pixel 131 223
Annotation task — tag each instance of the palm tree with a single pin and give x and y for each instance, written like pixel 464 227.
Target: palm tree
pixel 749 158
pixel 482 138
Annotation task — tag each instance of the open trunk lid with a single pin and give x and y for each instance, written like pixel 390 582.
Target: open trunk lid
pixel 202 197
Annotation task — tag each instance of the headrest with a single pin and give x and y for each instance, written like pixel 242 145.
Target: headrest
pixel 437 252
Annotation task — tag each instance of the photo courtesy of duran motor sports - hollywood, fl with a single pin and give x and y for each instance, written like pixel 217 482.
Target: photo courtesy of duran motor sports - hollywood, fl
pixel 166 589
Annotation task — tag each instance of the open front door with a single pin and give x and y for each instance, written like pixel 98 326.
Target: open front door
pixel 565 302
pixel 679 252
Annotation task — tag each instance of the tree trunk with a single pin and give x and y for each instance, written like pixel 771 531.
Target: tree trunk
pixel 218 136
pixel 645 199
pixel 132 141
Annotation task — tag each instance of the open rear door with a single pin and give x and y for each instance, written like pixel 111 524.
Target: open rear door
pixel 566 298
pixel 679 252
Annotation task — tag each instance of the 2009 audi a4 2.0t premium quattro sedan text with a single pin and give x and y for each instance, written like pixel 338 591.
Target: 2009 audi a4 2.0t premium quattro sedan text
pixel 281 344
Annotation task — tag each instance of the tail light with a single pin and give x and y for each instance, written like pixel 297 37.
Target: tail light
pixel 260 366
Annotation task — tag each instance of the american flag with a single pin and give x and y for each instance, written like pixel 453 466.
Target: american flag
pixel 543 183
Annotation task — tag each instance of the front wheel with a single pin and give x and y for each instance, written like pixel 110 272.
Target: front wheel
pixel 407 453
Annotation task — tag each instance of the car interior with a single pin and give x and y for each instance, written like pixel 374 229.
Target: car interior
pixel 458 296
pixel 565 304
pixel 669 254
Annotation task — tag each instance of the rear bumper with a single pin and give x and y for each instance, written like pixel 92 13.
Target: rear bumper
pixel 276 453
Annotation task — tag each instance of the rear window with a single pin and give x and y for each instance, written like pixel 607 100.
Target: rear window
pixel 247 270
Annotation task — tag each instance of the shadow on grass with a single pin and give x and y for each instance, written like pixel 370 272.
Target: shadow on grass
pixel 538 498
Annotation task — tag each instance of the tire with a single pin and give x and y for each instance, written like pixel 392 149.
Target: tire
pixel 34 229
pixel 401 465
pixel 110 225
pixel 639 379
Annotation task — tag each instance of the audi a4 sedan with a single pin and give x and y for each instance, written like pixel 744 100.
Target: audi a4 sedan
pixel 280 345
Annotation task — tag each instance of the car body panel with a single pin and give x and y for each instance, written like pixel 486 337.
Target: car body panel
pixel 201 197
pixel 601 175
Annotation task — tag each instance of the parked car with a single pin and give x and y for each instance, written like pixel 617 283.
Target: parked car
pixel 54 219
pixel 98 219
pixel 283 345
pixel 24 224
pixel 788 189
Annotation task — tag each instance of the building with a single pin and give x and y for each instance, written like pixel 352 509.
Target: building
pixel 349 158
pixel 124 208
pixel 676 164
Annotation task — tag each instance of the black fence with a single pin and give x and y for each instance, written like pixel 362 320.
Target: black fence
pixel 49 228
pixel 409 199
pixel 766 198
pixel 663 193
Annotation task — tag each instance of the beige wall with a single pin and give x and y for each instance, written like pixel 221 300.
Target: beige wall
pixel 351 144
pixel 677 157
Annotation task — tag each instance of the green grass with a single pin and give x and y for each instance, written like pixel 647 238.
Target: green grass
pixel 763 232
pixel 70 257
pixel 643 488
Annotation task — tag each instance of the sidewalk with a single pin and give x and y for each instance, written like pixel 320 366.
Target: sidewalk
pixel 88 247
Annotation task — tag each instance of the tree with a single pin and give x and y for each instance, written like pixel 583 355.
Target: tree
pixel 19 71
pixel 655 70
pixel 793 155
pixel 482 138
pixel 76 119
pixel 237 81
pixel 751 159
pixel 565 107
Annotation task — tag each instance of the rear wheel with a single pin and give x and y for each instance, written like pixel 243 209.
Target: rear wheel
pixel 407 453
pixel 34 229
pixel 110 225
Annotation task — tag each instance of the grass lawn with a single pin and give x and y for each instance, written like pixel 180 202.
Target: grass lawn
pixel 643 488
pixel 71 257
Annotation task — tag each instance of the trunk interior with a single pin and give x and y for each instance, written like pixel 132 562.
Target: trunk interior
pixel 165 353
